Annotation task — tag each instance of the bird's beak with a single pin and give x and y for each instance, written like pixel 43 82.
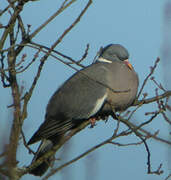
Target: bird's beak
pixel 128 64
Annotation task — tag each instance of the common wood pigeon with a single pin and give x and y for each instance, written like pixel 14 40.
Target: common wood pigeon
pixel 95 91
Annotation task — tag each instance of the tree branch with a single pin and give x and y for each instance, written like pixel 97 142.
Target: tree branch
pixel 152 69
pixel 153 99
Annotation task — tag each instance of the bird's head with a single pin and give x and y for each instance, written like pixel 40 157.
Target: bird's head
pixel 114 52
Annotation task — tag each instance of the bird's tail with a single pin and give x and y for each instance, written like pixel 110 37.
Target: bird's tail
pixel 44 147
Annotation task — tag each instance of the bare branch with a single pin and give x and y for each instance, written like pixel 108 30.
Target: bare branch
pixel 30 37
pixel 11 23
pixel 129 144
pixel 25 143
pixel 146 79
pixel 168 177
pixel 15 30
pixel 61 9
pixel 135 131
pixel 53 171
pixel 61 54
pixel 153 99
pixel 31 62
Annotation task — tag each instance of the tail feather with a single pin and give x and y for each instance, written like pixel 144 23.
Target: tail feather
pixel 44 147
pixel 53 138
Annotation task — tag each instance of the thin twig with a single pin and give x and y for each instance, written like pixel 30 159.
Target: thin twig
pixel 138 106
pixel 158 85
pixel 59 53
pixel 153 99
pixel 168 177
pixel 25 143
pixel 53 171
pixel 134 130
pixel 84 55
pixel 11 23
pixel 129 144
pixel 31 36
pixel 5 9
pixel 61 9
pixel 30 63
pixel 166 118
pixel 146 79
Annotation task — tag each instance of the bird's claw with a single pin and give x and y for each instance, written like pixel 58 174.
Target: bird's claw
pixel 93 122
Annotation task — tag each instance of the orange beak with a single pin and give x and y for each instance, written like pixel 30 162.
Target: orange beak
pixel 128 64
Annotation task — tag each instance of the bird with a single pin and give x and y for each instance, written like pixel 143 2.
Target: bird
pixel 108 85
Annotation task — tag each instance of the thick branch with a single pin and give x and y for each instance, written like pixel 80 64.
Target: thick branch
pixel 16 126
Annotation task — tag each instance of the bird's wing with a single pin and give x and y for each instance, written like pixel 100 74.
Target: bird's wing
pixel 79 98
pixel 82 95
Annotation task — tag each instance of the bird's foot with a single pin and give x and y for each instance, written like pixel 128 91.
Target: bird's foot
pixel 92 122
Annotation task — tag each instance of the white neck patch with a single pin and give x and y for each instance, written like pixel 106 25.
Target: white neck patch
pixel 101 59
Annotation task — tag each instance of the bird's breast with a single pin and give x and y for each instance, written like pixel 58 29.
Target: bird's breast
pixel 123 83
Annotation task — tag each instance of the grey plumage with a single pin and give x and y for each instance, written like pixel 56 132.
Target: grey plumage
pixel 107 83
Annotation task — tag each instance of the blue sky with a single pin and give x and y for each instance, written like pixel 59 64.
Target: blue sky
pixel 135 24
